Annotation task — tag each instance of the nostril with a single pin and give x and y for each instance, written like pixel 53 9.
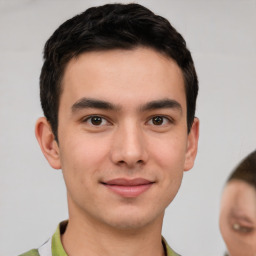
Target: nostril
pixel 123 162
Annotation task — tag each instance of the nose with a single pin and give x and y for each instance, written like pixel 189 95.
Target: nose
pixel 129 146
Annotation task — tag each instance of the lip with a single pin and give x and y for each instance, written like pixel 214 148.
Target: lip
pixel 128 187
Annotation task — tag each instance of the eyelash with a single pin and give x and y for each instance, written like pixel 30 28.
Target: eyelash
pixel 242 229
pixel 89 120
pixel 166 120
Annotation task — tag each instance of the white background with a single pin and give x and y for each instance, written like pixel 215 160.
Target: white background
pixel 221 35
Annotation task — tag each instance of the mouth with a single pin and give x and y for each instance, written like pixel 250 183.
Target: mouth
pixel 128 187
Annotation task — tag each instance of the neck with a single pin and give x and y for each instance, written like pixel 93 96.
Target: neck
pixel 87 237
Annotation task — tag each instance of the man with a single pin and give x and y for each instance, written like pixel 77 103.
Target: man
pixel 118 91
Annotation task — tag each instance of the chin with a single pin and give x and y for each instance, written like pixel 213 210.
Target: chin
pixel 133 221
pixel 129 225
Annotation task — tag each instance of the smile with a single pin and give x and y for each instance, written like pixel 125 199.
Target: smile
pixel 128 188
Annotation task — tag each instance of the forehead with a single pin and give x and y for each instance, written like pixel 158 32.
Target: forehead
pixel 141 72
pixel 240 195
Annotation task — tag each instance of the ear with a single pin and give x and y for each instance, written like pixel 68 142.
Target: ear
pixel 47 142
pixel 192 144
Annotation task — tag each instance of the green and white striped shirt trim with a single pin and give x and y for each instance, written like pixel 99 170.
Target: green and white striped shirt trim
pixel 53 246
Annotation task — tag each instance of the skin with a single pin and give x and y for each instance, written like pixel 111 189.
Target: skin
pixel 238 218
pixel 127 91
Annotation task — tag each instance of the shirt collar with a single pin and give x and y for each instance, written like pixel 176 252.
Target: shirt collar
pixel 58 250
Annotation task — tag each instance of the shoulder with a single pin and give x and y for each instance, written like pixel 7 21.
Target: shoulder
pixel 33 252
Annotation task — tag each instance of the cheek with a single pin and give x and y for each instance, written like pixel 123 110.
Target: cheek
pixel 224 226
pixel 169 152
pixel 169 156
pixel 225 229
pixel 82 155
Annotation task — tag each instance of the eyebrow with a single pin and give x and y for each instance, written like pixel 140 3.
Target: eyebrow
pixel 160 104
pixel 241 217
pixel 100 104
pixel 93 103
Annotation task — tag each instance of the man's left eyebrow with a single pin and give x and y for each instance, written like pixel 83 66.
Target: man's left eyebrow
pixel 160 104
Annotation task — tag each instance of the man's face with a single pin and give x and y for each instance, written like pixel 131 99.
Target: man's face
pixel 238 218
pixel 123 142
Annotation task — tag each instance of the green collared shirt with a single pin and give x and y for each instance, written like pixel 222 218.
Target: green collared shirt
pixel 58 250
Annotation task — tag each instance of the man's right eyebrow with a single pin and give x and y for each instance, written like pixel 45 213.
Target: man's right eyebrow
pixel 92 103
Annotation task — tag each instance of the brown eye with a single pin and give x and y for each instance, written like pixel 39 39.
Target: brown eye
pixel 158 120
pixel 241 228
pixel 96 120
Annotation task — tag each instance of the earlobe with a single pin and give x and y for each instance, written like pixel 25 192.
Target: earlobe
pixel 192 145
pixel 47 142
